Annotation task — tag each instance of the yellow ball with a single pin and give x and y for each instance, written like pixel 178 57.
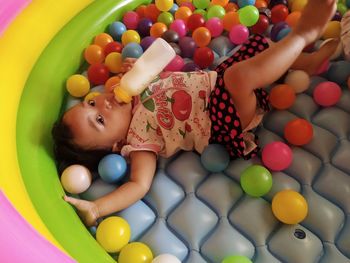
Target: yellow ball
pixel 298 5
pixel 91 95
pixel 332 30
pixel 114 62
pixel 113 234
pixel 78 85
pixel 289 207
pixel 130 36
pixel 135 252
pixel 164 5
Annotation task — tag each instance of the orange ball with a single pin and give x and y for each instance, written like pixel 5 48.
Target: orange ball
pixel 183 13
pixel 152 12
pixel 223 3
pixel 231 7
pixel 94 54
pixel 180 2
pixel 201 36
pixel 141 11
pixel 111 83
pixel 260 4
pixel 298 132
pixel 230 19
pixel 282 96
pixel 293 18
pixel 103 39
pixel 158 29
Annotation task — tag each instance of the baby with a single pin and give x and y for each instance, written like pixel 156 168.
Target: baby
pixel 186 111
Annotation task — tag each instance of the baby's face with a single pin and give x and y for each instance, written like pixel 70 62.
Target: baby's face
pixel 99 123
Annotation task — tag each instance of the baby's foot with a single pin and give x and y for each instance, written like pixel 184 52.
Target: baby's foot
pixel 318 57
pixel 314 19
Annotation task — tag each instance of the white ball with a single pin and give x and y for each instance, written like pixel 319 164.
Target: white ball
pixel 76 179
pixel 299 80
pixel 166 258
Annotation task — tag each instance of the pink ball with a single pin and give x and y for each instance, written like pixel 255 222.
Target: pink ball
pixel 176 64
pixel 215 26
pixel 179 27
pixel 277 156
pixel 327 93
pixel 131 20
pixel 239 34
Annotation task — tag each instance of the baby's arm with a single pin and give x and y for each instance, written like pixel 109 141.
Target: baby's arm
pixel 143 166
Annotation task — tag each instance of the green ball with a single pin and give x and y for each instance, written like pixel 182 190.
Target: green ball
pixel 236 259
pixel 201 4
pixel 248 15
pixel 216 11
pixel 256 180
pixel 341 7
pixel 166 18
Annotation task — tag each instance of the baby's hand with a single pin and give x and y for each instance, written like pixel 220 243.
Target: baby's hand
pixel 88 211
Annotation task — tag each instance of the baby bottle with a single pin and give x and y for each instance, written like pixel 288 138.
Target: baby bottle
pixel 145 69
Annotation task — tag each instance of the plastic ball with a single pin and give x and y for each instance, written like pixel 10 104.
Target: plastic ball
pixel 276 29
pixel 146 42
pixel 171 36
pixel 131 19
pixel 339 72
pixel 293 18
pixel 236 259
pixel 135 252
pixel 229 20
pixel 132 50
pixel 112 168
pixel 113 47
pixel 261 26
pixel 113 233
pixel 141 10
pixel 187 46
pixel 94 54
pixel 195 21
pixel 179 26
pixel 221 46
pixel 283 33
pixel 164 5
pixel 222 3
pixel 256 180
pixel 279 13
pixel 239 34
pixel 260 4
pixel 201 36
pixel 215 158
pixel 173 9
pixel 248 15
pixel 98 74
pixel 189 5
pixel 103 39
pixel 166 258
pixel 165 18
pixel 201 12
pixel 114 62
pixel 76 179
pixel 243 3
pixel 215 26
pixel 282 96
pixel 298 5
pixel 152 12
pixel 216 11
pixel 158 29
pixel 289 207
pixel 176 64
pixel 116 30
pixel 332 30
pixel 130 36
pixel 111 83
pixel 201 4
pixel 299 80
pixel 298 132
pixel 183 13
pixel 277 156
pixel 144 27
pixel 341 8
pixel 327 93
pixel 176 48
pixel 203 57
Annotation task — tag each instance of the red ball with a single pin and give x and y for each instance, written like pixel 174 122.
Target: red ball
pixel 113 47
pixel 195 21
pixel 203 57
pixel 261 26
pixel 298 132
pixel 98 74
pixel 279 13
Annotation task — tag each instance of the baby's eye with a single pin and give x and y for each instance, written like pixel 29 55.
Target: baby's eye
pixel 91 102
pixel 100 119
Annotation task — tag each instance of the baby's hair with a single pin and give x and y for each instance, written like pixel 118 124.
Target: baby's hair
pixel 66 152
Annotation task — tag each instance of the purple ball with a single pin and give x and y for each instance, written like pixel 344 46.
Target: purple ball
pixel 144 27
pixel 337 16
pixel 146 42
pixel 276 29
pixel 187 46
pixel 190 66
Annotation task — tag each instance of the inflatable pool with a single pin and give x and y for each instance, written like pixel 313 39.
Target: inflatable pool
pixel 189 212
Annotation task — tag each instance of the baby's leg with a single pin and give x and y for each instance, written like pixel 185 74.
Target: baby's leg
pixel 244 77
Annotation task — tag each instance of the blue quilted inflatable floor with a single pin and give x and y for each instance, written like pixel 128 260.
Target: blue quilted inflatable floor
pixel 203 217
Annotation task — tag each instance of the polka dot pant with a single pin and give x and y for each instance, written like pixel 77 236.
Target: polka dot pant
pixel 226 126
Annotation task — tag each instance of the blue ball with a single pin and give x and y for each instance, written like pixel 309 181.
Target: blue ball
pixel 173 9
pixel 132 50
pixel 112 168
pixel 116 30
pixel 339 72
pixel 283 33
pixel 215 158
pixel 243 3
